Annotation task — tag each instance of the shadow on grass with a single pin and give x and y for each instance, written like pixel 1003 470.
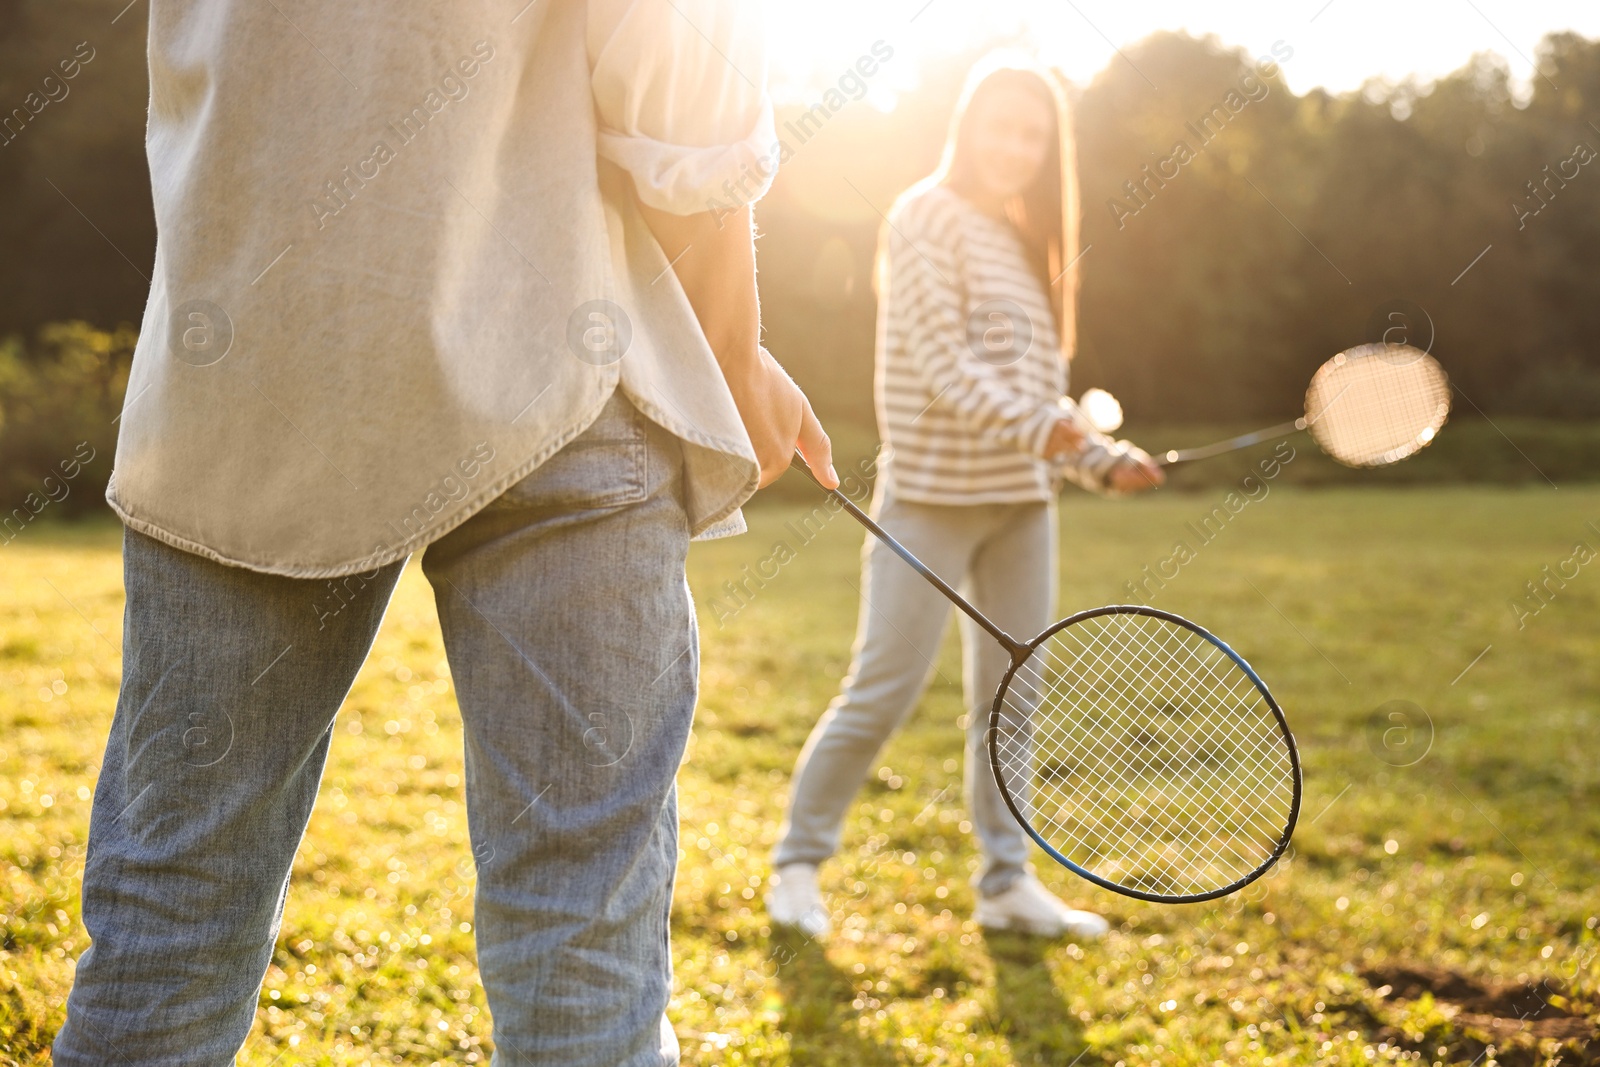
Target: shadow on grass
pixel 1035 1019
pixel 817 1013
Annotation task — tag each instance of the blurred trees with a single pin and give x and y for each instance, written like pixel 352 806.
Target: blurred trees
pixel 1300 227
pixel 1283 240
pixel 77 228
pixel 59 402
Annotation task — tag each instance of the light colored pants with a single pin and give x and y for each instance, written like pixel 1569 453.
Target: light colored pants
pixel 1002 558
pixel 570 634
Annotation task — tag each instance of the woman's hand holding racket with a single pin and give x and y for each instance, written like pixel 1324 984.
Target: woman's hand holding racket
pixel 1134 472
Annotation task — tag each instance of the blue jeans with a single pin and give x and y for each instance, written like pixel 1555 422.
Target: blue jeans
pixel 1004 556
pixel 570 634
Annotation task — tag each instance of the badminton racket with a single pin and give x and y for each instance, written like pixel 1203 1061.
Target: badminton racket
pixel 1368 406
pixel 1137 749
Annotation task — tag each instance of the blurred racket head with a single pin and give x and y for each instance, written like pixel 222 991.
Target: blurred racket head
pixel 1145 755
pixel 1103 410
pixel 1377 404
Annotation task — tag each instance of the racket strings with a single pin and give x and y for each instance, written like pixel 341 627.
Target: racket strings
pixel 1101 752
pixel 1165 827
pixel 1146 756
pixel 1174 759
pixel 1377 404
pixel 1104 845
pixel 1113 767
pixel 1131 653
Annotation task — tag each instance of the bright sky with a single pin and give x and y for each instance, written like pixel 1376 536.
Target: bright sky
pixel 1337 44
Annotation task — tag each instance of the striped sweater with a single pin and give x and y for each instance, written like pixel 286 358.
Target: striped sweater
pixel 969 378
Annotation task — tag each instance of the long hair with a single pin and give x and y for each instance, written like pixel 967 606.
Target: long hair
pixel 1045 214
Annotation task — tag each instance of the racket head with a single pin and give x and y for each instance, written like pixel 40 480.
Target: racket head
pixel 1374 405
pixel 1144 754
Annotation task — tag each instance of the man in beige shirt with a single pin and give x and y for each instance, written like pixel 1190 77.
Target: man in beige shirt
pixel 438 277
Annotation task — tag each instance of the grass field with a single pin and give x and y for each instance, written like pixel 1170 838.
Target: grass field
pixel 1440 904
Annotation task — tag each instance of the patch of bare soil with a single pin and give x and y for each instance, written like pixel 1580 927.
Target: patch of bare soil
pixel 1517 1016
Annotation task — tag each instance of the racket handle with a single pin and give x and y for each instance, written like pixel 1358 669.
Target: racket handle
pixel 1233 444
pixel 1017 649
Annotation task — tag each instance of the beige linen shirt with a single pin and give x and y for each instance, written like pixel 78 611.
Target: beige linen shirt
pixel 399 264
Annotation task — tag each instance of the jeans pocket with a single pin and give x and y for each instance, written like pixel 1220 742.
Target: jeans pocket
pixel 602 467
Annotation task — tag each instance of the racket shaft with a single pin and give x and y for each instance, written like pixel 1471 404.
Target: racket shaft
pixel 1232 444
pixel 1012 645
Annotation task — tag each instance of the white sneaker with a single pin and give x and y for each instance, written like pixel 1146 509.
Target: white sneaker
pixel 794 900
pixel 1028 907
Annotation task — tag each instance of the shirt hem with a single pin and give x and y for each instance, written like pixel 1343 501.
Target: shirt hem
pixel 365 564
pixel 913 496
pixel 725 521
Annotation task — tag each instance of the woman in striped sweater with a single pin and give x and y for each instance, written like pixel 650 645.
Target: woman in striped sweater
pixel 976 323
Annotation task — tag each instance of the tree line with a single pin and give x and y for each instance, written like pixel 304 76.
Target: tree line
pixel 1237 234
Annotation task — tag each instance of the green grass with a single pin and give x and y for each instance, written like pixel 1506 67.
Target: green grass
pixel 1474 867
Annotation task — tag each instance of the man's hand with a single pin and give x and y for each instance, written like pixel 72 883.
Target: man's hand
pixel 715 261
pixel 778 418
pixel 1137 472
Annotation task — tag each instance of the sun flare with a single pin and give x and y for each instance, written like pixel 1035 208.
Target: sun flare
pixel 1338 45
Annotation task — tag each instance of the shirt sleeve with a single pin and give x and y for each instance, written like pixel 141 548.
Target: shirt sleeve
pixel 680 92
pixel 924 267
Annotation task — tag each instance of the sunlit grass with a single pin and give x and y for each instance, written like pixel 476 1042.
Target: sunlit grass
pixel 1480 859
